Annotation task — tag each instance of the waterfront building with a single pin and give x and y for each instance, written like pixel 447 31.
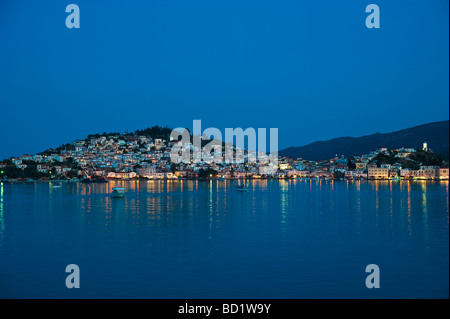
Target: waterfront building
pixel 121 175
pixel 148 171
pixel 377 173
pixel 443 172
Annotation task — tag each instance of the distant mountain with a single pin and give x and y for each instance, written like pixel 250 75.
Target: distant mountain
pixel 436 134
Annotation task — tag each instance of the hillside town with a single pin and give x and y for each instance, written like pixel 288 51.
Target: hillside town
pixel 133 156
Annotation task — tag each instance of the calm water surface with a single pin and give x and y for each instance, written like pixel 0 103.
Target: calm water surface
pixel 282 239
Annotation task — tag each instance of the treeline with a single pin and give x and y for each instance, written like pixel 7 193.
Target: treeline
pixel 12 171
pixel 155 132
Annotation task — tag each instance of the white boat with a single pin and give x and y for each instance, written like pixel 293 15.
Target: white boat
pixel 118 192
pixel 56 185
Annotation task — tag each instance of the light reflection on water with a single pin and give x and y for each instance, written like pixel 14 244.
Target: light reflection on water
pixel 191 239
pixel 2 218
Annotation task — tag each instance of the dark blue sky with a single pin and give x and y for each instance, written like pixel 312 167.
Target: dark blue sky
pixel 310 68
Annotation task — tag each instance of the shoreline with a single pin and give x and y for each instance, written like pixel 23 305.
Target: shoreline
pixel 207 180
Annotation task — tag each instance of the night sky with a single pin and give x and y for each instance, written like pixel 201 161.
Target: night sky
pixel 310 68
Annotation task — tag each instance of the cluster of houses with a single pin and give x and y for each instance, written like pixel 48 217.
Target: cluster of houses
pixel 133 156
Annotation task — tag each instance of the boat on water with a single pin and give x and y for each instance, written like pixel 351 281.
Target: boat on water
pixel 56 185
pixel 118 192
pixel 241 188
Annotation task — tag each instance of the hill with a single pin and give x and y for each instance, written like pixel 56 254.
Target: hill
pixel 436 134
